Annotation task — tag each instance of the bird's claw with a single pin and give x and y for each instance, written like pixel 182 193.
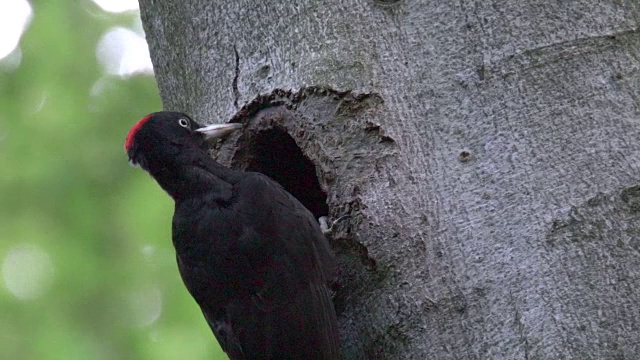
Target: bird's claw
pixel 327 226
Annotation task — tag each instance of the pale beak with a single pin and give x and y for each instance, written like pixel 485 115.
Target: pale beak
pixel 217 131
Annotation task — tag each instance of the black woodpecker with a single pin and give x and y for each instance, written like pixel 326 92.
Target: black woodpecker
pixel 251 255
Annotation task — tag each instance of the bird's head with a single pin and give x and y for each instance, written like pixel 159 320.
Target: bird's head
pixel 163 137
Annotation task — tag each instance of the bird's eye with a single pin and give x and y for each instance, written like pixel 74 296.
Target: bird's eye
pixel 184 123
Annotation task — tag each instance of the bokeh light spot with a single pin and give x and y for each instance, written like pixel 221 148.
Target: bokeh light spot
pixel 14 18
pixel 124 52
pixel 12 61
pixel 27 271
pixel 117 6
pixel 145 306
pixel 148 251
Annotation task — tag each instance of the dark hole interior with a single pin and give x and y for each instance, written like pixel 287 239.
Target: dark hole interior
pixel 275 153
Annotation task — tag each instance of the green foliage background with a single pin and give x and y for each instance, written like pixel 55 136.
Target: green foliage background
pixel 66 187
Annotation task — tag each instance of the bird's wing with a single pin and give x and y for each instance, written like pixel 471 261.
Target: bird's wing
pixel 290 297
pixel 265 294
pixel 302 328
pixel 215 313
pixel 223 330
pixel 298 231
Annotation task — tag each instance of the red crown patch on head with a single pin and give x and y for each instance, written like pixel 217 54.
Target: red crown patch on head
pixel 134 130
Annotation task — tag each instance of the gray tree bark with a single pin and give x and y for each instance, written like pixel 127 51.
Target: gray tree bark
pixel 488 152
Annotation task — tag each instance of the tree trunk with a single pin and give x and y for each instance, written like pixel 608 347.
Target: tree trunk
pixel 488 152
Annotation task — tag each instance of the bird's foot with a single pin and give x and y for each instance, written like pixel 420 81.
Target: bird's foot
pixel 327 226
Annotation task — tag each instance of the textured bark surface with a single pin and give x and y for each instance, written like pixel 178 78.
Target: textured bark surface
pixel 488 152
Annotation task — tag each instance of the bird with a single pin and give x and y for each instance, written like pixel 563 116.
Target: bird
pixel 251 255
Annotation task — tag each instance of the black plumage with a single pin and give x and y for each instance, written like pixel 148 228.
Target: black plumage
pixel 252 256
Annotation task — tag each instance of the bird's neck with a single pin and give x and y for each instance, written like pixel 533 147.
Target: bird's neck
pixel 199 176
